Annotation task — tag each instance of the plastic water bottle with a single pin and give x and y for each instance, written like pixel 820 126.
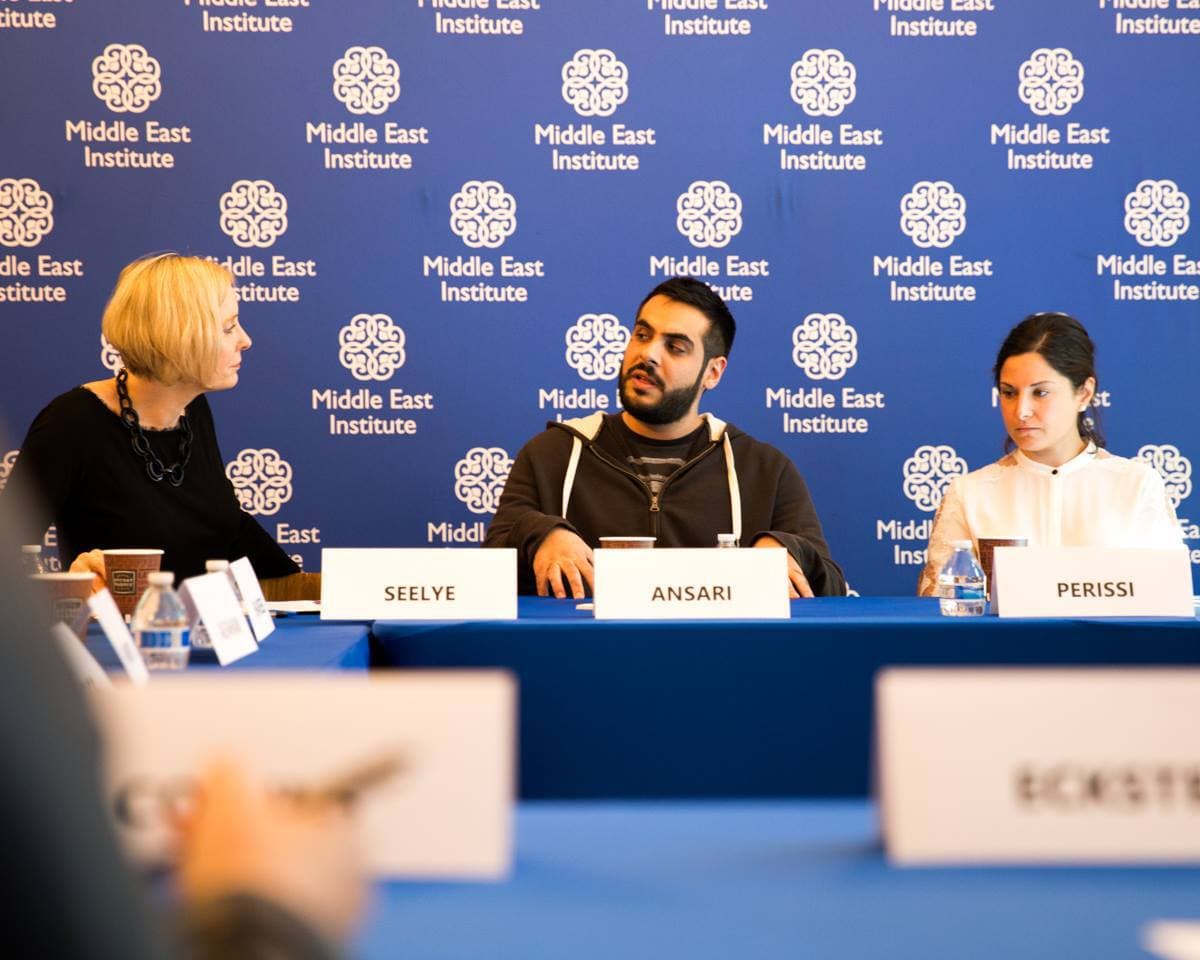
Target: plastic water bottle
pixel 961 585
pixel 200 638
pixel 31 559
pixel 160 624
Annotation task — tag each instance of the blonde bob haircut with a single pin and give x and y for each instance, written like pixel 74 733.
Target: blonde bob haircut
pixel 162 317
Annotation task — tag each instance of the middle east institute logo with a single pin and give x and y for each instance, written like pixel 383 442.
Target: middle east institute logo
pixel 595 344
pixel 26 212
pixel 1174 468
pixel 6 465
pixel 595 83
pixel 928 472
pixel 709 213
pixel 371 347
pixel 479 478
pixel 1050 82
pixel 126 78
pixel 253 213
pixel 824 346
pixel 1157 213
pixel 262 480
pixel 110 357
pixel 366 80
pixel 933 214
pixel 823 82
pixel 483 214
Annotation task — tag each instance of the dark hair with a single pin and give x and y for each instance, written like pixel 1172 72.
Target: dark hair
pixel 718 339
pixel 1063 343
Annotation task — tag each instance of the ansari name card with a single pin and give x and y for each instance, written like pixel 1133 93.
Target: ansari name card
pixel 445 809
pixel 1093 582
pixel 1038 765
pixel 683 583
pixel 437 583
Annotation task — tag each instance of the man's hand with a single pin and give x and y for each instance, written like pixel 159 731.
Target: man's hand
pixel 797 581
pixel 563 554
pixel 91 562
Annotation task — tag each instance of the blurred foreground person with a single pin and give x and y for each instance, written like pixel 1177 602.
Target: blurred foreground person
pixel 1057 486
pixel 133 461
pixel 258 876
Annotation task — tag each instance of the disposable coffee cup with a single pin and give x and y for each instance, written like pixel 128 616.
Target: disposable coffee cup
pixel 65 597
pixel 987 548
pixel 627 543
pixel 126 571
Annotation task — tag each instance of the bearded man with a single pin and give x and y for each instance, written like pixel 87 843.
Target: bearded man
pixel 659 468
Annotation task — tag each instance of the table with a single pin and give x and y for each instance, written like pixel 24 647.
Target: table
pixel 300 641
pixel 764 881
pixel 636 709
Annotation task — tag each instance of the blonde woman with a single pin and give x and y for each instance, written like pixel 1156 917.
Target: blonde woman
pixel 133 461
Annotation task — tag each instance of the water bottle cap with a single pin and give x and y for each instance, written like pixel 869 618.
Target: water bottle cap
pixel 216 566
pixel 961 544
pixel 31 548
pixel 160 578
pixel 728 538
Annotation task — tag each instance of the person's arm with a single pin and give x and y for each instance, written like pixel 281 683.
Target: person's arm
pixel 795 526
pixel 1154 517
pixel 949 524
pixel 548 564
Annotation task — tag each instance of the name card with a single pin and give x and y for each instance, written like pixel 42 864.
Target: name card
pixel 691 583
pixel 1092 582
pixel 445 812
pixel 436 583
pixel 112 622
pixel 1038 766
pixel 87 671
pixel 261 621
pixel 210 597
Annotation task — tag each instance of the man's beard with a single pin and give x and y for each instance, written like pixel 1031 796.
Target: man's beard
pixel 670 407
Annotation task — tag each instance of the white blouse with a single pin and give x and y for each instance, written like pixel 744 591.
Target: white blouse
pixel 1096 499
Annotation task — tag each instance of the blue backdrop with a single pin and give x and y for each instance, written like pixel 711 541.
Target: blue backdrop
pixel 443 212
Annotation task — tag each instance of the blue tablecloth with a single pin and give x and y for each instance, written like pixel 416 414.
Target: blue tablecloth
pixel 763 881
pixel 300 641
pixel 738 708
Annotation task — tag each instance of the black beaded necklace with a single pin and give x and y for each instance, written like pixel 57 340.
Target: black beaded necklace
pixel 155 469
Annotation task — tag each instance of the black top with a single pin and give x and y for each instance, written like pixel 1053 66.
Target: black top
pixel 77 469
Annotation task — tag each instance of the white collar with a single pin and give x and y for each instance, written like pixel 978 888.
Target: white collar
pixel 1078 462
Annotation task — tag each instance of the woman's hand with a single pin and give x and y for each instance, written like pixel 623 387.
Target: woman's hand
pixel 91 562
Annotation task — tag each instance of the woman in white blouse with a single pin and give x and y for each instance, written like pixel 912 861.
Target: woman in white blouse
pixel 1059 487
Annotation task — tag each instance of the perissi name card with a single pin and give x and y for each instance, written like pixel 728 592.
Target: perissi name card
pixel 1092 582
pixel 426 583
pixel 427 759
pixel 684 583
pixel 1038 765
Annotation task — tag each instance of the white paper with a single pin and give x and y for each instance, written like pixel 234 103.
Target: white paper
pixel 438 583
pixel 691 583
pixel 1093 582
pixel 446 814
pixel 112 622
pixel 252 595
pixel 212 597
pixel 87 671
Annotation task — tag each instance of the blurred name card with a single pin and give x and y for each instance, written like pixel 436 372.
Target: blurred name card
pixel 691 583
pixel 436 583
pixel 210 596
pixel 442 809
pixel 252 598
pixel 1039 766
pixel 112 622
pixel 1093 582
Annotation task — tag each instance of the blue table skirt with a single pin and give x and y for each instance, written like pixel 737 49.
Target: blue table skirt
pixel 763 881
pixel 300 641
pixel 638 709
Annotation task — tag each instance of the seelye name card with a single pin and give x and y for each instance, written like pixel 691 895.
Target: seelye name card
pixel 435 583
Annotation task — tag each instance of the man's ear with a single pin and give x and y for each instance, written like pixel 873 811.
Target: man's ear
pixel 716 368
